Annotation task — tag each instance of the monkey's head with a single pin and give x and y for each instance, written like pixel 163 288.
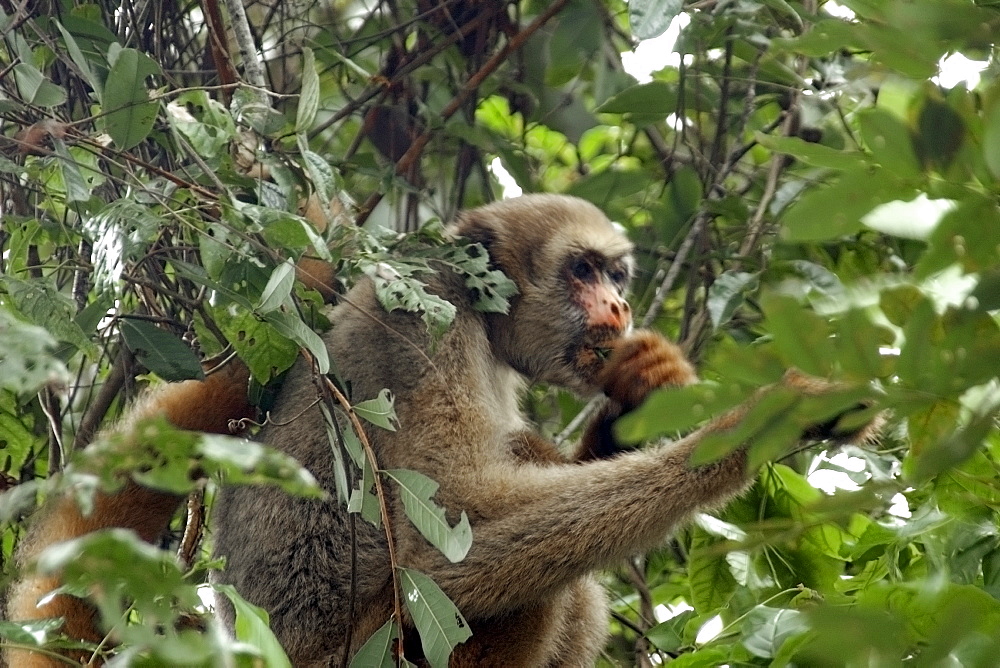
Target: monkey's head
pixel 571 267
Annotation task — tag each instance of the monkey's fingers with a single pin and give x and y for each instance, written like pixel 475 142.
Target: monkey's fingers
pixel 641 363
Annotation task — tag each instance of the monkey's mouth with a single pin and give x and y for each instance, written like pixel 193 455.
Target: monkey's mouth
pixel 593 351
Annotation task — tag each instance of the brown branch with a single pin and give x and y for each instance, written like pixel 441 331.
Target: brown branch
pixel 123 368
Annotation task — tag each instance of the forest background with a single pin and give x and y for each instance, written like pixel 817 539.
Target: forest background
pixel 806 185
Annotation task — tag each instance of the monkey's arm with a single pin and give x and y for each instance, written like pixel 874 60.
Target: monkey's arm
pixel 548 525
pixel 545 525
pixel 207 406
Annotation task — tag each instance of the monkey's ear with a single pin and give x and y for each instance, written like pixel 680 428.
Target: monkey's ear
pixel 472 227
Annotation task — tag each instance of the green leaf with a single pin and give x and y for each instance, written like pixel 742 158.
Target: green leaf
pixel 802 338
pixel 670 410
pixel 77 188
pixel 379 411
pixel 35 89
pixel 440 624
pixel 968 234
pixel 832 211
pixel 395 291
pixel 651 18
pixel 309 95
pixel 159 351
pixel 416 491
pixel 890 142
pixel 253 626
pixel 767 427
pixel 491 290
pixel 727 293
pixel 668 636
pixel 291 326
pixel 258 342
pixel 991 139
pixel 278 289
pixel 811 153
pixel 377 652
pixel 766 629
pixel 129 113
pixel 363 500
pixel 80 60
pixel 710 579
pixel 31 633
pixel 643 103
pixel 42 304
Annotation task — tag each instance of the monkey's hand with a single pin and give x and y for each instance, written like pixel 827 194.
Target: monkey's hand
pixel 638 364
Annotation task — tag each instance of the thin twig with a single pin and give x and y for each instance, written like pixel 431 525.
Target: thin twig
pixel 380 493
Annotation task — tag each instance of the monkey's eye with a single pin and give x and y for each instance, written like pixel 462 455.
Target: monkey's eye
pixel 582 270
pixel 618 276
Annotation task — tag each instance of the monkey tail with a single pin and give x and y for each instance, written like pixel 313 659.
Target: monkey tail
pixel 207 406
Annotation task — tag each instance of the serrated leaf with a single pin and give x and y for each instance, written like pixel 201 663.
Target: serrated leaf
pixel 253 626
pixel 416 491
pixel 309 95
pixel 159 351
pixel 279 287
pixel 129 113
pixel 440 625
pixel 709 578
pixel 651 18
pixel 377 652
pixel 379 411
pixel 409 294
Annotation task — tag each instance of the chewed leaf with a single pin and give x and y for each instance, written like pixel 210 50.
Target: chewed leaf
pixel 416 491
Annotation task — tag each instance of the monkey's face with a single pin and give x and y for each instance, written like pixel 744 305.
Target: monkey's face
pixel 571 267
pixel 565 322
pixel 595 284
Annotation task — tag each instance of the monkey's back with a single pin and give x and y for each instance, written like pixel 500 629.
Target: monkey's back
pixel 293 556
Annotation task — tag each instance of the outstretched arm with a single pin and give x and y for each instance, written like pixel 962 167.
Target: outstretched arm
pixel 547 525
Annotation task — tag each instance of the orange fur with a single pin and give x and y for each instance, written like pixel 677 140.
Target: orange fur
pixel 639 364
pixel 207 406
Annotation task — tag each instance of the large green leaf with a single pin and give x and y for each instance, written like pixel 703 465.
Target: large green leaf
pixel 440 624
pixel 128 112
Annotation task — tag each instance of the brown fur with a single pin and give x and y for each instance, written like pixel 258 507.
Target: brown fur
pixel 542 525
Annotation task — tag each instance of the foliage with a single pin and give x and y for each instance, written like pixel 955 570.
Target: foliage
pixel 803 191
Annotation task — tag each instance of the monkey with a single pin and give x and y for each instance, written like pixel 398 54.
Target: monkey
pixel 543 524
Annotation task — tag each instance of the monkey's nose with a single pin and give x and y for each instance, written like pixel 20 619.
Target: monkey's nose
pixel 605 308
